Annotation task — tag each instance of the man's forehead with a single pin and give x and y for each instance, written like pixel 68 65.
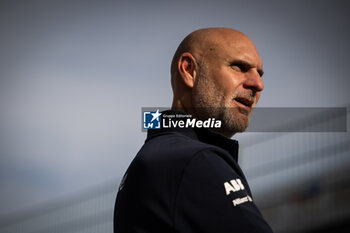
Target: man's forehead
pixel 246 53
pixel 234 48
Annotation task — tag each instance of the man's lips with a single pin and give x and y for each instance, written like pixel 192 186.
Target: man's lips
pixel 244 101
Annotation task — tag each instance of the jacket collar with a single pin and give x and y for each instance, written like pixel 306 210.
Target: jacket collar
pixel 200 134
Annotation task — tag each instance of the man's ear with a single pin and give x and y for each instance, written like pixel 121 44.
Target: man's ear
pixel 187 67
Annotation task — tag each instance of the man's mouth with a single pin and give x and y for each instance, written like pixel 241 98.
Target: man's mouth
pixel 244 101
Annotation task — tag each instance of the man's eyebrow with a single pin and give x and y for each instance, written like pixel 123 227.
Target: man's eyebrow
pixel 246 65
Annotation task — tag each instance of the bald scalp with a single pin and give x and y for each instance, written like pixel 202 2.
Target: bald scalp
pixel 200 42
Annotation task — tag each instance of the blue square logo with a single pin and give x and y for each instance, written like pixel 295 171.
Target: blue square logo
pixel 151 120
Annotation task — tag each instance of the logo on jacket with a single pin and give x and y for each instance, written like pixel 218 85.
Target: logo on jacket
pixel 151 119
pixel 236 185
pixel 233 186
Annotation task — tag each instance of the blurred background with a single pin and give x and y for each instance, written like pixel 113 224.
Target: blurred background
pixel 75 74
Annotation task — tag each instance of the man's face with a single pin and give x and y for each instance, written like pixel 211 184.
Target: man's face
pixel 229 84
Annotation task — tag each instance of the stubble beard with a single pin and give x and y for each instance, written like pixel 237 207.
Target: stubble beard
pixel 209 102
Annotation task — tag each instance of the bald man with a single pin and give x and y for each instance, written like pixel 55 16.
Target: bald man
pixel 187 179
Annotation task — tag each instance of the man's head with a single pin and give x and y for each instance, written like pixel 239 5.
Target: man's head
pixel 216 73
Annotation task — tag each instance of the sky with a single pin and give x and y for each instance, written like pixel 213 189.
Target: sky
pixel 75 74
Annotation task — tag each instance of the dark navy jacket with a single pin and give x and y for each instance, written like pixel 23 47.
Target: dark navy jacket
pixel 186 181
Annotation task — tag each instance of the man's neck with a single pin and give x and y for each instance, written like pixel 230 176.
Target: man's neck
pixel 177 105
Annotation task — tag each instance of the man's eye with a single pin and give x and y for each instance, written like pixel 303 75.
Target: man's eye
pixel 240 68
pixel 236 68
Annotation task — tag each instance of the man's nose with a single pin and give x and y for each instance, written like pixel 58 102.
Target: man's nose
pixel 253 81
